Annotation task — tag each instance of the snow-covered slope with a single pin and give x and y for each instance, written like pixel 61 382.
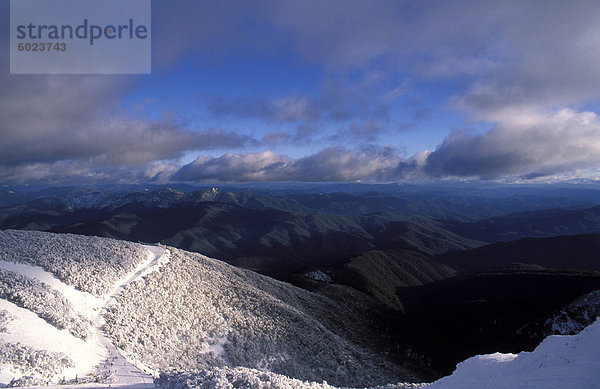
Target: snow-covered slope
pixel 200 323
pixel 560 362
pixel 50 331
pixel 88 263
pixel 30 346
pixel 198 313
pixel 242 377
pixel 184 314
pixel 575 316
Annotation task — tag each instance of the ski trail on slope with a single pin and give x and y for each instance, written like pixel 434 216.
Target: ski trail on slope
pixel 157 256
pixel 124 374
pixel 122 371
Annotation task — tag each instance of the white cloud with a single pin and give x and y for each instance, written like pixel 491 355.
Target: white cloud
pixel 75 172
pixel 333 164
pixel 523 144
pixel 266 166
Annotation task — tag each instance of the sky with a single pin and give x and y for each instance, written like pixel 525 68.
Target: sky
pixel 322 90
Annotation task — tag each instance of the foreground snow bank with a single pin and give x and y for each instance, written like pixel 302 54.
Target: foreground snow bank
pixel 558 362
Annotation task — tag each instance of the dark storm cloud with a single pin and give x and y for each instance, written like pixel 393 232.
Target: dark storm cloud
pixel 76 120
pixel 82 123
pixel 55 127
pixel 552 61
pixel 74 172
pixel 545 50
pixel 58 128
pixel 512 59
pixel 216 29
pixel 524 145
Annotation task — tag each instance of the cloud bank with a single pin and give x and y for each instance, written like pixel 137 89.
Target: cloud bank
pixel 333 164
pixel 522 144
pixel 524 74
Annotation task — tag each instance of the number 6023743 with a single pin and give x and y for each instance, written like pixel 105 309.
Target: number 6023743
pixel 59 46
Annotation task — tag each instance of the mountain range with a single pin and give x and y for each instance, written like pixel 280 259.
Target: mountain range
pixel 278 232
pixel 267 234
pixel 399 284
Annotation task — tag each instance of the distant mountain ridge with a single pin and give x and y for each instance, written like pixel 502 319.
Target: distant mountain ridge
pixel 279 232
pixel 271 235
pixel 462 202
pixel 541 223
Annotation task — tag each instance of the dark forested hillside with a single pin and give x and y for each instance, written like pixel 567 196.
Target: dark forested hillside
pixel 380 272
pixel 448 321
pixel 563 252
pixel 447 307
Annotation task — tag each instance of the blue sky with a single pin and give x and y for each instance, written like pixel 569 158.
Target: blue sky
pixel 322 91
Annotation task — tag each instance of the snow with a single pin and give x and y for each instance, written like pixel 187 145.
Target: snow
pixel 88 263
pixel 558 362
pixel 157 257
pixel 199 314
pixel 216 348
pixel 576 315
pixel 95 355
pixel 30 330
pixel 318 275
pixel 84 303
pixel 243 377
